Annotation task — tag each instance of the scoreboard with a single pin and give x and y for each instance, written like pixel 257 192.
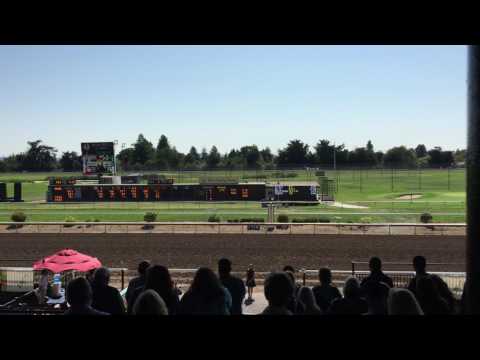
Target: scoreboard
pixel 155 192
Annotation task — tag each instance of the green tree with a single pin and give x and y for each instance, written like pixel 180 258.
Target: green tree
pixel 213 158
pixel 399 157
pixel 251 156
pixel 71 161
pixel 126 158
pixel 294 154
pixel 142 150
pixel 39 157
pixel 421 151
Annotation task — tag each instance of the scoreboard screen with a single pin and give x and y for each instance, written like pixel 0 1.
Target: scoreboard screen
pixel 98 158
pixel 68 192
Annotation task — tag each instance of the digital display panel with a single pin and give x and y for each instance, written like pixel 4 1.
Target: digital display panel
pixel 98 158
pixel 166 192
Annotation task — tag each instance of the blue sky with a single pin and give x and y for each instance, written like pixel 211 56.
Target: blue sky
pixel 231 96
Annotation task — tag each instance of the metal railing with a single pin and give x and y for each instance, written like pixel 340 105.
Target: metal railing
pixel 441 229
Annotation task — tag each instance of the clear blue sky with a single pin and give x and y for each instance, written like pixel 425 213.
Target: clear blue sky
pixel 231 96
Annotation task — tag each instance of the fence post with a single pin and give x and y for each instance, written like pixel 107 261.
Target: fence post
pixel 304 277
pixel 353 268
pixel 123 279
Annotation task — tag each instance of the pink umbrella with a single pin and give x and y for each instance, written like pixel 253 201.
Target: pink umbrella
pixel 67 259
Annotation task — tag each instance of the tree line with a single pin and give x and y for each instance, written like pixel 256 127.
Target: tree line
pixel 143 155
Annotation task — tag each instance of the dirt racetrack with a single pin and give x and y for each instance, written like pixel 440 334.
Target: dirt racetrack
pixel 265 251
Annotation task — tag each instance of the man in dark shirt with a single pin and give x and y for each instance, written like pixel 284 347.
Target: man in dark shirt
pixel 106 298
pixel 376 273
pixel 420 266
pixel 325 293
pixel 138 281
pixel 79 297
pixel 234 285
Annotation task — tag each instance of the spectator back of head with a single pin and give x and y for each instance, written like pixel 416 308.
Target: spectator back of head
pixel 101 276
pixel 79 292
pixel 224 266
pixel 351 289
pixel 403 302
pixel 325 276
pixel 375 264
pixel 143 266
pixel 150 303
pixel 278 289
pixel 289 268
pixel 419 263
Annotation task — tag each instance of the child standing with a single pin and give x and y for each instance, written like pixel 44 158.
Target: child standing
pixel 250 282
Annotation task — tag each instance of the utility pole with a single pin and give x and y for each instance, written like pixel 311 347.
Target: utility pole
pixel 472 288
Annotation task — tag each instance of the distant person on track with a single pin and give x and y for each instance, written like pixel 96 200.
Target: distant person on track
pixel 138 281
pixel 325 293
pixel 250 282
pixel 79 297
pixel 306 297
pixel 158 279
pixel 150 303
pixel 105 297
pixel 352 303
pixel 402 302
pixel 206 296
pixel 235 286
pixel 278 292
pixel 376 273
pixel 420 266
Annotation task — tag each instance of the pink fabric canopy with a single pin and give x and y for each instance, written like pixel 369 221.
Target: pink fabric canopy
pixel 67 259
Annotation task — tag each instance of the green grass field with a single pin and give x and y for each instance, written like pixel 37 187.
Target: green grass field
pixel 442 194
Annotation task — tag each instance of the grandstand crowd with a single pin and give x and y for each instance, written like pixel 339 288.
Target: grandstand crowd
pixel 153 292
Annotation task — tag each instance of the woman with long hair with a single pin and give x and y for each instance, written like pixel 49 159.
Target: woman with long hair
pixel 158 279
pixel 306 297
pixel 206 295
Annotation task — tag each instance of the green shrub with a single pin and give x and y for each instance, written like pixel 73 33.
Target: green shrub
pixel 150 217
pixel 213 218
pixel 319 173
pixel 366 220
pixel 69 219
pixel 426 218
pixel 282 218
pixel 18 216
pixel 311 220
pixel 252 220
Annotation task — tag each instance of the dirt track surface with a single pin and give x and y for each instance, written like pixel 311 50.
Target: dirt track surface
pixel 265 252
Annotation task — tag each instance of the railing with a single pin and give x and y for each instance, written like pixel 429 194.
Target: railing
pixel 441 229
pixel 400 278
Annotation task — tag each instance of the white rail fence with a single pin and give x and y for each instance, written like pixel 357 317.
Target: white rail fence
pixel 441 229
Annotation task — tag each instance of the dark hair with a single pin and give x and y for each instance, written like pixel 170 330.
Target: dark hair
pixel 290 276
pixel 44 272
pixel 289 268
pixel 278 289
pixel 375 264
pixel 224 266
pixel 206 285
pixel 79 292
pixel 143 266
pixel 325 275
pixel 419 263
pixel 158 278
pixel 101 277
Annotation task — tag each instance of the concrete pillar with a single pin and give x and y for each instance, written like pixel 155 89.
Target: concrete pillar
pixel 472 295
